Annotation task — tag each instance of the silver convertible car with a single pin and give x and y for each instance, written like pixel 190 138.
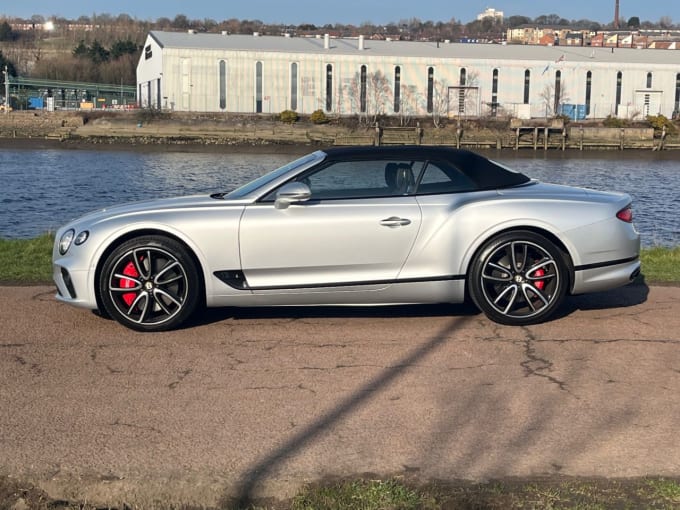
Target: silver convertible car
pixel 353 226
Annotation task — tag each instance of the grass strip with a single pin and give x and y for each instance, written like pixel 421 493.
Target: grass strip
pixel 399 494
pixel 26 261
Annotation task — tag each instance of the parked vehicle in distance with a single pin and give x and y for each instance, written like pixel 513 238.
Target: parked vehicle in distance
pixel 353 226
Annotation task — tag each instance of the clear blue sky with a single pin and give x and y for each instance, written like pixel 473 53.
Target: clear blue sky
pixel 320 12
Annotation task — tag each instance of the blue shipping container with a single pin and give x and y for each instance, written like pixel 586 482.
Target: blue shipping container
pixel 573 111
pixel 36 103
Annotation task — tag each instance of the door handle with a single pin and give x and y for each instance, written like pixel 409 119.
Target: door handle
pixel 395 221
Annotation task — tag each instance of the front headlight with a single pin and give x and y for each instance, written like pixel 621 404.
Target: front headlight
pixel 82 237
pixel 66 240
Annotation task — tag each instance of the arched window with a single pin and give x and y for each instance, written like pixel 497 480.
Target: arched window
pixel 649 80
pixel 258 87
pixel 397 88
pixel 293 86
pixel 589 86
pixel 362 96
pixel 223 84
pixel 430 89
pixel 494 93
pixel 527 83
pixel 558 91
pixel 329 87
pixel 619 83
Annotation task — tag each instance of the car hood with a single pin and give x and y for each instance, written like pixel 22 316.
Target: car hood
pixel 155 206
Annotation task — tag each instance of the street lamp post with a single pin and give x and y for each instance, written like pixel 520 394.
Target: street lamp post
pixel 6 73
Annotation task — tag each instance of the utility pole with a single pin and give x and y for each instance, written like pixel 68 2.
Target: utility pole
pixel 6 73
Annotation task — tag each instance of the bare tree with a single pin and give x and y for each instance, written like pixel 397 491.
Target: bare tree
pixel 410 101
pixel 369 94
pixel 440 102
pixel 552 99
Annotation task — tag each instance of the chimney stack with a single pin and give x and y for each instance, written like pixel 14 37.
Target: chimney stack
pixel 616 15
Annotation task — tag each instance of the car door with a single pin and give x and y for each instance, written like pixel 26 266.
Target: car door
pixel 357 229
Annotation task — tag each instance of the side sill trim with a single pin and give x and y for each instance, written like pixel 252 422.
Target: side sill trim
pixel 239 282
pixel 597 265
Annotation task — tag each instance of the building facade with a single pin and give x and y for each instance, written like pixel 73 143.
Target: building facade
pixel 267 74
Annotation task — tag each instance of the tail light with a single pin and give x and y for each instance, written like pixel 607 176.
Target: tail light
pixel 625 214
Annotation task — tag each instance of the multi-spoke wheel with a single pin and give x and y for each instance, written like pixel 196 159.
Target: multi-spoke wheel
pixel 149 284
pixel 518 278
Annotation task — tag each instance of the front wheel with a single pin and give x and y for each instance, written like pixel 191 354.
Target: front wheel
pixel 518 278
pixel 149 283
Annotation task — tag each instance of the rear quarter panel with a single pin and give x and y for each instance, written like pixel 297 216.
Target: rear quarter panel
pixel 454 227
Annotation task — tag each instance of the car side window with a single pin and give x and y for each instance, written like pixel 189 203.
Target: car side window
pixel 361 179
pixel 443 178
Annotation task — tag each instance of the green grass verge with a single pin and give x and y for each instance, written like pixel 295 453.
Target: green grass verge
pixel 397 494
pixel 28 261
pixel 661 265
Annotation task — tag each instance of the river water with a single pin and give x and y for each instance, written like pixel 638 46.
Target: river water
pixel 43 188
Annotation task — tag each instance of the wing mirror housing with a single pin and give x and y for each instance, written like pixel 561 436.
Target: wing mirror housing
pixel 292 193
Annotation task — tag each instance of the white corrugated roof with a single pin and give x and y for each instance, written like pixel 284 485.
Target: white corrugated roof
pixel 350 46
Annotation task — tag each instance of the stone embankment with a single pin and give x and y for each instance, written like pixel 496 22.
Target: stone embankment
pixel 144 128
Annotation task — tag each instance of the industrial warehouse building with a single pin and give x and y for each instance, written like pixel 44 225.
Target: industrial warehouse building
pixel 200 72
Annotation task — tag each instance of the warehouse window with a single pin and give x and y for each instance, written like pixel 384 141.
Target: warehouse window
pixel 329 87
pixel 430 89
pixel 147 52
pixel 494 93
pixel 293 86
pixel 589 86
pixel 397 88
pixel 223 84
pixel 649 80
pixel 258 87
pixel 558 91
pixel 461 91
pixel 362 93
pixel 527 82
pixel 619 81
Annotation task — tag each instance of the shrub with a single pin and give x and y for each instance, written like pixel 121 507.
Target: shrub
pixel 288 116
pixel 658 122
pixel 614 122
pixel 318 117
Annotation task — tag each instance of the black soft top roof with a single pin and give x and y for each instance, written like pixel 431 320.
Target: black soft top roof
pixel 483 172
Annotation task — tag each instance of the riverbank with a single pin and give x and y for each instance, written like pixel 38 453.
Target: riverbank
pixel 143 128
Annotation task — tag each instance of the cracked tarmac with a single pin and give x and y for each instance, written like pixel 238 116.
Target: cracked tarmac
pixel 254 403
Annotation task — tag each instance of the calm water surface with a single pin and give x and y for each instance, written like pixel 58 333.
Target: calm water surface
pixel 43 189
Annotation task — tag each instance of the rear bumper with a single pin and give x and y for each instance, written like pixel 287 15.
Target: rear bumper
pixel 606 276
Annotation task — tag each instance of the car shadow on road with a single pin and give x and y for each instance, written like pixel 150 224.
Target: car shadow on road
pixel 213 315
pixel 631 295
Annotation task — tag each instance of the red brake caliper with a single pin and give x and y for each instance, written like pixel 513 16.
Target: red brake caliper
pixel 539 284
pixel 129 270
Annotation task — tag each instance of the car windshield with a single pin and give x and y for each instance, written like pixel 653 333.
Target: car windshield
pixel 273 175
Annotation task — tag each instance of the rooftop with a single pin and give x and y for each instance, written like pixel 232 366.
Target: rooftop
pixel 396 49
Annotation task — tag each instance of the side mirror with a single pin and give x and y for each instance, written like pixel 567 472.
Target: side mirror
pixel 291 193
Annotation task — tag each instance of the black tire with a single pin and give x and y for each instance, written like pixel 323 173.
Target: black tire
pixel 518 278
pixel 150 283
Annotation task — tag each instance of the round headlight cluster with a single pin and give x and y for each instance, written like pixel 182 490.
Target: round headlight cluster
pixel 69 237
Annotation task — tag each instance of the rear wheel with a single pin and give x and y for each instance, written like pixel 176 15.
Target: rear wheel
pixel 518 278
pixel 149 283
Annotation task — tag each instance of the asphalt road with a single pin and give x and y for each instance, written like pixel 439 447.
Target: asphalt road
pixel 254 403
